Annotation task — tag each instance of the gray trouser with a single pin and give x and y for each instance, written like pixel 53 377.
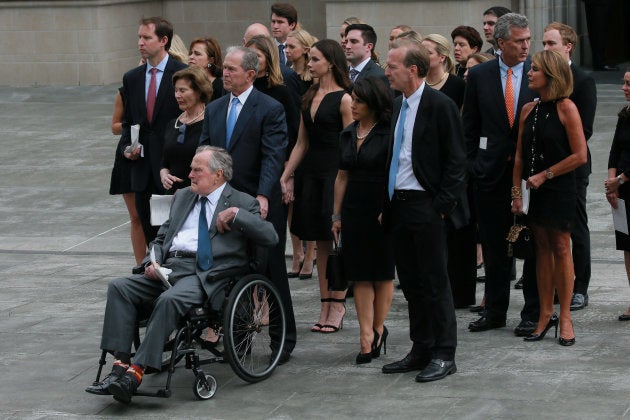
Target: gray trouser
pixel 126 295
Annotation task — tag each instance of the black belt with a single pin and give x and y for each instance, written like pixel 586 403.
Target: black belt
pixel 181 254
pixel 409 195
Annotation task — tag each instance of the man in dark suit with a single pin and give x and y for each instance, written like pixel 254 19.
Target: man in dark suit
pixel 257 144
pixel 359 49
pixel 232 219
pixel 426 190
pixel 490 18
pixel 150 103
pixel 490 122
pixel 563 39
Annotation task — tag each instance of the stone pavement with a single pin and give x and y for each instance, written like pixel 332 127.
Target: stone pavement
pixel 63 238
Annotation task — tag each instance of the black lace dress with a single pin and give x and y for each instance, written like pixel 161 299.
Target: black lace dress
pixel 545 143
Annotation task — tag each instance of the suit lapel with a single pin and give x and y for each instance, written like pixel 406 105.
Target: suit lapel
pixel 138 92
pixel 420 123
pixel 497 85
pixel 164 91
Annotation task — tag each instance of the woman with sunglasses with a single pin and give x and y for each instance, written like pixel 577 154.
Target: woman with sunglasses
pixel 181 138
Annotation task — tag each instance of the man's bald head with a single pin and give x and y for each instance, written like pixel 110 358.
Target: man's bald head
pixel 253 30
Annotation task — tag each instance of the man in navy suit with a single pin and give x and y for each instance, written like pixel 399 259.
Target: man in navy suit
pixel 426 191
pixel 563 39
pixel 139 84
pixel 359 49
pixel 252 127
pixel 491 134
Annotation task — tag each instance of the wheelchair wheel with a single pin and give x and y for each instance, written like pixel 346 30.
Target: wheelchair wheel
pixel 205 387
pixel 254 328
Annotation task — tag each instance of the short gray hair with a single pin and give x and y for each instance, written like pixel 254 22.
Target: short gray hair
pixel 506 22
pixel 219 159
pixel 250 59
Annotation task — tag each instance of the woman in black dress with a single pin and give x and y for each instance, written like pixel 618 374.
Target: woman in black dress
pixel 206 53
pixel 440 75
pixel 181 137
pixel 550 147
pixel 617 185
pixel 315 161
pixel 361 180
pixel 121 184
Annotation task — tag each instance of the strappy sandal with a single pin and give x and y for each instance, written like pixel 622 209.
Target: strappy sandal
pixel 335 328
pixel 318 327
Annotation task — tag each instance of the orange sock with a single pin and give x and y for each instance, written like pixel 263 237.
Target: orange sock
pixel 137 371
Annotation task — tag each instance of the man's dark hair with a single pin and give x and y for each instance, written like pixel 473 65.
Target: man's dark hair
pixel 286 11
pixel 497 11
pixel 367 32
pixel 470 34
pixel 163 28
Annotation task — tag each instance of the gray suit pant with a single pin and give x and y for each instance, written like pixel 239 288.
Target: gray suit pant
pixel 126 295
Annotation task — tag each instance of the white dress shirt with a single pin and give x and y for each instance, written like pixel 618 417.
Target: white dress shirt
pixel 406 179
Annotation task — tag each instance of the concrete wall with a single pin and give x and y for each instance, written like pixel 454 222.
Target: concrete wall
pixel 93 42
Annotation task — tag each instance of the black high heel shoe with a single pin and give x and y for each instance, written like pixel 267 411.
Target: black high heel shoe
pixel 553 322
pixel 567 341
pixel 363 358
pixel 376 349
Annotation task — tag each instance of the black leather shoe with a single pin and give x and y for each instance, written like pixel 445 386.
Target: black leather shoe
pixel 484 323
pixel 101 387
pixel 519 284
pixel 437 369
pixel 284 356
pixel 408 364
pixel 124 388
pixel 525 328
pixel 579 301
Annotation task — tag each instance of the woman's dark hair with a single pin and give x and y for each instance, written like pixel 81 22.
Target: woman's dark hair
pixel 198 82
pixel 376 95
pixel 213 50
pixel 333 53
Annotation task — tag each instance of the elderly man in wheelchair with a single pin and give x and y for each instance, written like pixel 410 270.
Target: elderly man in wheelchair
pixel 209 229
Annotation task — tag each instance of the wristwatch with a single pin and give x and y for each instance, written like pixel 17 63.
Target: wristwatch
pixel 620 178
pixel 549 174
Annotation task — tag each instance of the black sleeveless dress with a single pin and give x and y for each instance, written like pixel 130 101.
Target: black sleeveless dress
pixel 367 249
pixel 619 158
pixel 545 139
pixel 315 177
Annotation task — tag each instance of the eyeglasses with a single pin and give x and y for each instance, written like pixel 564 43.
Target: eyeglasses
pixel 182 133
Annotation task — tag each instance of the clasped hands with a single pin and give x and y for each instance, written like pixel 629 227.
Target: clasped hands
pixel 611 186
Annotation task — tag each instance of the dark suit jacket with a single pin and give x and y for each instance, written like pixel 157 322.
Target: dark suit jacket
pixel 258 142
pixel 230 249
pixel 585 98
pixel 484 115
pixel 438 158
pixel 145 172
pixel 374 70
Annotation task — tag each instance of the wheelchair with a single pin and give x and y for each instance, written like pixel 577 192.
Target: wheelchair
pixel 244 309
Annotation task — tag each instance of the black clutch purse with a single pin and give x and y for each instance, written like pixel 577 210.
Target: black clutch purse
pixel 520 242
pixel 335 274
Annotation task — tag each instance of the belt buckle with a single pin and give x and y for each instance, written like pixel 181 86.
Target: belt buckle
pixel 401 195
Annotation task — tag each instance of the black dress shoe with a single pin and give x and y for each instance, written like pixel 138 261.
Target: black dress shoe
pixel 525 328
pixel 624 317
pixel 100 388
pixel 477 309
pixel 284 357
pixel 519 284
pixel 124 388
pixel 437 369
pixel 579 301
pixel 408 364
pixel 484 323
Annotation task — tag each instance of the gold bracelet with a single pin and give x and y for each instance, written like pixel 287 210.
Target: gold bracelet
pixel 516 192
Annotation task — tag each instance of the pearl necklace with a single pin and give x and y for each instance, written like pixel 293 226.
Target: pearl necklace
pixel 185 113
pixel 444 76
pixel 366 134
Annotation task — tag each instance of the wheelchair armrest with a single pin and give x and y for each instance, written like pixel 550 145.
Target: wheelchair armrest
pixel 232 272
